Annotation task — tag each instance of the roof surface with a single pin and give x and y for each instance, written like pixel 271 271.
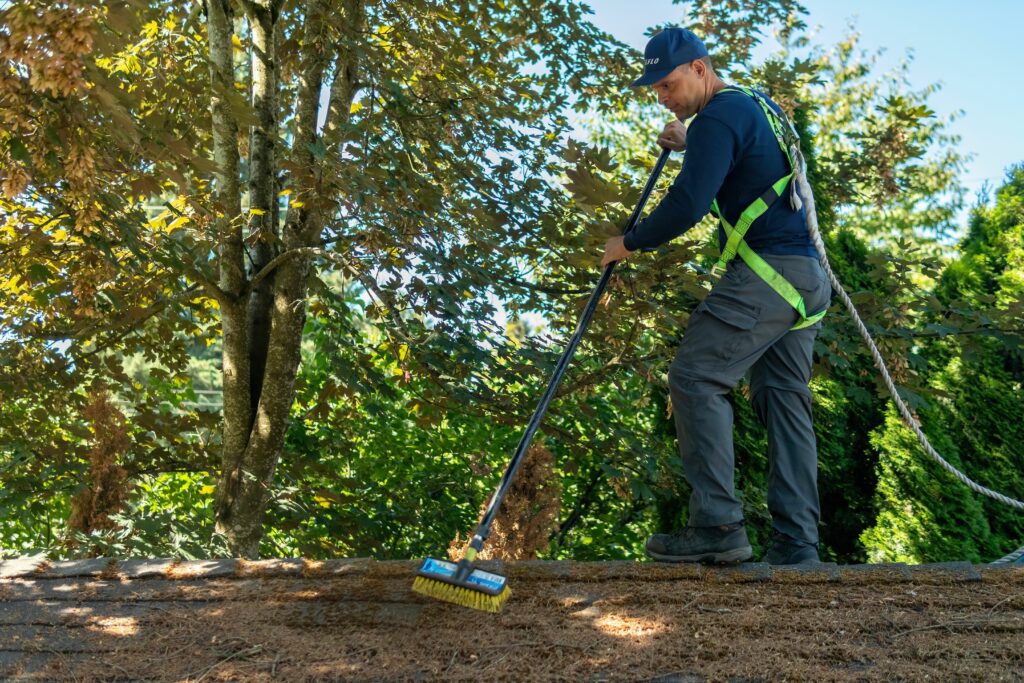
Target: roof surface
pixel 358 619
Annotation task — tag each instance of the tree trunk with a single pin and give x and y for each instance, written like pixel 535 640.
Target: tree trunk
pixel 234 311
pixel 262 189
pixel 263 330
pixel 243 522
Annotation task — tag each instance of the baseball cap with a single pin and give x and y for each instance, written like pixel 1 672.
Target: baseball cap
pixel 666 51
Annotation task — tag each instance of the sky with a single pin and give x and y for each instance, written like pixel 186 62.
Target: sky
pixel 973 49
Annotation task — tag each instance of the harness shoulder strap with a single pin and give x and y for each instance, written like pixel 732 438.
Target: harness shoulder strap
pixel 735 243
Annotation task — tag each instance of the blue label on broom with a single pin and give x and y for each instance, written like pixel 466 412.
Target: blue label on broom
pixel 440 568
pixel 482 578
pixel 477 576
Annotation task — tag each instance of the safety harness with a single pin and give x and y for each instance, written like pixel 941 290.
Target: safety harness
pixel 735 244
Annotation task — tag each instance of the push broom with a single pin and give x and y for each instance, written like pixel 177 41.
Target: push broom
pixel 462 583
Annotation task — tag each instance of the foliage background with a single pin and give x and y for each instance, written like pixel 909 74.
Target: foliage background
pixel 411 394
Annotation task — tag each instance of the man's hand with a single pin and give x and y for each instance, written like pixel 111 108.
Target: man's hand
pixel 673 137
pixel 614 250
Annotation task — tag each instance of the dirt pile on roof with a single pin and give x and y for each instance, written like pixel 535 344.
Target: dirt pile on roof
pixel 356 620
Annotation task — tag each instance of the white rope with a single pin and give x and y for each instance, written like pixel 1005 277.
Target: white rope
pixel 908 418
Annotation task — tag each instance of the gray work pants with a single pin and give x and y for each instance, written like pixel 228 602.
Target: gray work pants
pixel 743 325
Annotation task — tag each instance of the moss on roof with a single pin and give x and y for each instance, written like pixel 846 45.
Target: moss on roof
pixel 359 620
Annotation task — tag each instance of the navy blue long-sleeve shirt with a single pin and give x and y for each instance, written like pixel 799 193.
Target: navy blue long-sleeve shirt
pixel 731 154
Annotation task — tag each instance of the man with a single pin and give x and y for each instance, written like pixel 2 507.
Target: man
pixel 734 156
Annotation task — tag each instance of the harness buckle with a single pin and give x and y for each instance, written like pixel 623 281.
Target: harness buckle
pixel 716 271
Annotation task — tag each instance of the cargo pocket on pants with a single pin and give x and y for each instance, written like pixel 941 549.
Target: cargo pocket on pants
pixel 731 321
pixel 732 311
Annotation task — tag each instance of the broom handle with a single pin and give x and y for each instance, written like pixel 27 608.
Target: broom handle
pixel 506 481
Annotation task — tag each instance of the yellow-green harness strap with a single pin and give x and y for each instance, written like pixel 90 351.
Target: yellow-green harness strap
pixel 780 285
pixel 734 242
pixel 734 235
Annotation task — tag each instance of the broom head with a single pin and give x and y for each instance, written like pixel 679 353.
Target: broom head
pixel 479 590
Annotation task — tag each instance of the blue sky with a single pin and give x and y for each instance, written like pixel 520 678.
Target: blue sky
pixel 973 49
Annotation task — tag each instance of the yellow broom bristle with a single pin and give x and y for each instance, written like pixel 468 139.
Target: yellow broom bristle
pixel 439 590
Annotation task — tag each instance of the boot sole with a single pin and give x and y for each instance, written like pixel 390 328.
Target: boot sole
pixel 734 556
pixel 801 563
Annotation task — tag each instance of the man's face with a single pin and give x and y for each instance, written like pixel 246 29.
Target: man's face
pixel 682 91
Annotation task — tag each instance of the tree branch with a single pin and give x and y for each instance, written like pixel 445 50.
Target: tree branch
pixel 312 65
pixel 116 326
pixel 582 503
pixel 282 258
pixel 346 70
pixel 225 145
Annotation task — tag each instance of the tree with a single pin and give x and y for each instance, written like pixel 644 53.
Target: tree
pixel 974 403
pixel 377 137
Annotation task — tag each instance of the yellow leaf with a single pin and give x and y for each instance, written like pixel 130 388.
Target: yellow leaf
pixel 515 330
pixel 236 43
pixel 356 106
pixel 11 285
pixel 403 351
pixel 322 502
pixel 176 224
pixel 285 192
pixel 257 212
pixel 398 372
pixel 207 490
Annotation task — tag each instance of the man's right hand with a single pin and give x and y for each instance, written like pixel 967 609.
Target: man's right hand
pixel 673 137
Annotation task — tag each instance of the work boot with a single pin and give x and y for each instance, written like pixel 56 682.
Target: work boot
pixel 785 550
pixel 726 544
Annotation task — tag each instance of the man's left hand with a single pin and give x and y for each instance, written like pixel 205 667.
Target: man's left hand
pixel 614 250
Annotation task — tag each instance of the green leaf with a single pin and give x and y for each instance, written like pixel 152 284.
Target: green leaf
pixel 16 148
pixel 39 272
pixel 317 149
